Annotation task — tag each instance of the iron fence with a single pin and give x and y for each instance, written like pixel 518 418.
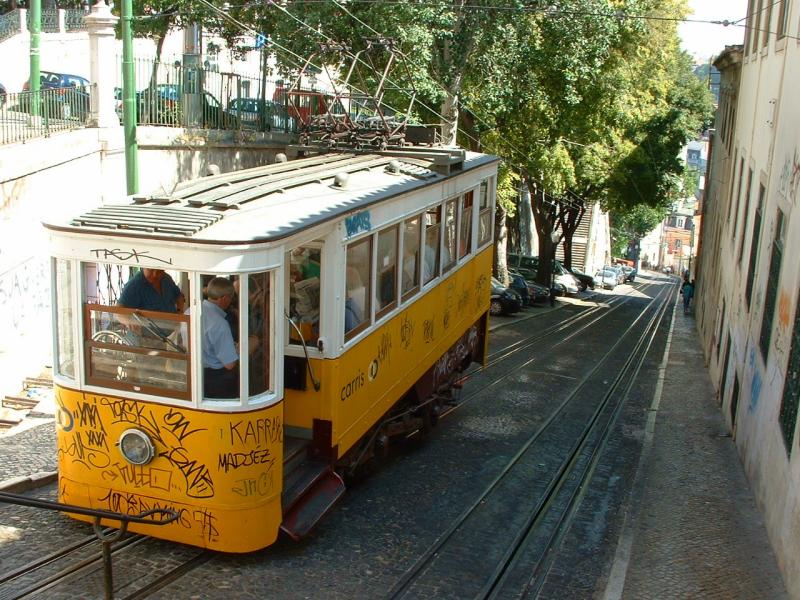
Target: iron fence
pixel 49 20
pixel 28 115
pixel 9 24
pixel 73 20
pixel 170 94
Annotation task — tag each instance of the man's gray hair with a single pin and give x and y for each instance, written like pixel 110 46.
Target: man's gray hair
pixel 219 287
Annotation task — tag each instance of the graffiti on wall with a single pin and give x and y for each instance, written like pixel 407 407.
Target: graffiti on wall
pixel 24 297
pixel 790 176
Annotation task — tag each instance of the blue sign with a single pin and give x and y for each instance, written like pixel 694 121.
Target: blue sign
pixel 358 223
pixel 261 40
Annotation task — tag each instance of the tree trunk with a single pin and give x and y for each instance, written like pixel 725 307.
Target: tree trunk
pixel 545 217
pixel 500 245
pixel 450 118
pixel 570 218
pixel 525 223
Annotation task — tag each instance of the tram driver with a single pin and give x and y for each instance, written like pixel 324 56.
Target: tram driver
pixel 152 289
pixel 220 355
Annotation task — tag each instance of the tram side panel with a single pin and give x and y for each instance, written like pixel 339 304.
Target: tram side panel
pixel 221 472
pixel 364 383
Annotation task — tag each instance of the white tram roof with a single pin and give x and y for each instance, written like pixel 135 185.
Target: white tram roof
pixel 275 201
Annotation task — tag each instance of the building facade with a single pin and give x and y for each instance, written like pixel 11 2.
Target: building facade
pixel 748 283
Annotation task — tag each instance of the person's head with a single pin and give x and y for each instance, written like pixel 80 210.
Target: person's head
pixel 153 275
pixel 221 292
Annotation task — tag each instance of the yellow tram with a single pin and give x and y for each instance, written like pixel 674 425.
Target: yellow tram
pixel 355 287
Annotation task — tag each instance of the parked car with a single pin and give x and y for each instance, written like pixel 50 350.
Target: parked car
pixel 163 105
pixel 261 115
pixel 617 271
pixel 607 278
pixel 70 100
pixel 518 284
pixel 563 280
pixel 630 273
pixel 504 301
pixel 530 291
pixel 585 281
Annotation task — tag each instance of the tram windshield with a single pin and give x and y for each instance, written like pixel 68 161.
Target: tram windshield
pixel 138 332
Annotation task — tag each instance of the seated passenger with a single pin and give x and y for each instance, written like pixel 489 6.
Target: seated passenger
pixel 220 355
pixel 354 300
pixel 152 289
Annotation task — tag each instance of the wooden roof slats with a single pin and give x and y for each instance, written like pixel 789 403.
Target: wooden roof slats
pixel 177 221
pixel 190 188
pixel 218 193
pixel 272 185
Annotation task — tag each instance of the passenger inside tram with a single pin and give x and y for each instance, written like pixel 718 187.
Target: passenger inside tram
pixel 220 355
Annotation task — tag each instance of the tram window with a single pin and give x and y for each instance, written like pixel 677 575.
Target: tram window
pixel 484 214
pixel 305 265
pixel 411 241
pixel 258 332
pixel 433 225
pixel 449 257
pixel 386 273
pixel 219 314
pixel 65 318
pixel 133 348
pixel 357 294
pixel 465 231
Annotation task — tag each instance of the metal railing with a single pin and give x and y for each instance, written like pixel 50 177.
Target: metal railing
pixel 9 24
pixel 171 95
pixel 73 20
pixel 49 20
pixel 158 516
pixel 27 115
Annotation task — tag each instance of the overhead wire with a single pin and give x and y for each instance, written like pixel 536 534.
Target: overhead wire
pixel 299 58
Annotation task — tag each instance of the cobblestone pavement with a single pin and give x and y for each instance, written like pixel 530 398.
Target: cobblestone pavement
pixel 30 451
pixel 697 535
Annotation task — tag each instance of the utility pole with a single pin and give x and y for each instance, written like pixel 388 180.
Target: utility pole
pixel 128 101
pixel 35 84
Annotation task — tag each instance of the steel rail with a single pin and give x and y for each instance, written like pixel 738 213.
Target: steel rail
pixel 49 582
pixel 531 341
pixel 171 576
pixel 494 589
pixel 45 560
pixel 406 581
pixel 615 303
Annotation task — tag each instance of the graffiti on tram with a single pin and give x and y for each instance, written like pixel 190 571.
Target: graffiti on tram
pixel 198 456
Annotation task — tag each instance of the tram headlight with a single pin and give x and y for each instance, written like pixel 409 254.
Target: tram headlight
pixel 136 447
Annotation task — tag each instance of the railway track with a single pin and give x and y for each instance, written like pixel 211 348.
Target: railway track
pixel 545 342
pixel 75 571
pixel 518 520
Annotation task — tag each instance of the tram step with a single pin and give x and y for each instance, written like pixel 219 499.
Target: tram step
pixel 46 382
pixel 299 480
pixel 314 504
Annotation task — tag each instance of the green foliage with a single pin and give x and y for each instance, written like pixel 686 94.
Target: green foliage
pixel 507 189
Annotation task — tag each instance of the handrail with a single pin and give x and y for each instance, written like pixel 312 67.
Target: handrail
pixel 171 515
pixel 9 24
pixel 105 537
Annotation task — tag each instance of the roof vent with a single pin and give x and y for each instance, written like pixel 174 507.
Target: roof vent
pixel 280 158
pixel 340 180
pixel 212 170
pixel 394 167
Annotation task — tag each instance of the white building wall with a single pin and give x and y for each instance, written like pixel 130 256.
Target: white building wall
pixel 766 135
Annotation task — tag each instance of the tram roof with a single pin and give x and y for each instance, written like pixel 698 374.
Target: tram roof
pixel 275 201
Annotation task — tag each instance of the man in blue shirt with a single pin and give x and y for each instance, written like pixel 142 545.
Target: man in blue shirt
pixel 220 355
pixel 152 289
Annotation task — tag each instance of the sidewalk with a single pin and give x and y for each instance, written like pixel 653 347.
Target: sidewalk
pixel 694 530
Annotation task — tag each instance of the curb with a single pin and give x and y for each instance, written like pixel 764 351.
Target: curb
pixel 18 485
